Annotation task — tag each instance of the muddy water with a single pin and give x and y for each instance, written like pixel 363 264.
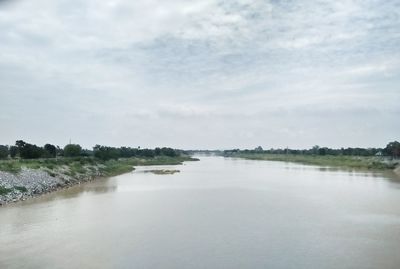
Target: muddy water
pixel 216 213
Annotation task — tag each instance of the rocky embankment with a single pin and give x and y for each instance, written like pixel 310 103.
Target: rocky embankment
pixel 33 182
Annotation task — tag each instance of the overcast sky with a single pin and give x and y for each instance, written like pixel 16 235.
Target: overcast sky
pixel 200 74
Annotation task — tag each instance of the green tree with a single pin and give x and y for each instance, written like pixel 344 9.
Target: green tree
pixel 72 150
pixel 315 150
pixel 106 153
pixel 13 151
pixel 3 152
pixel 50 150
pixel 393 149
pixel 29 151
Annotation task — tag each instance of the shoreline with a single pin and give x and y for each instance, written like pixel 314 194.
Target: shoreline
pixel 345 162
pixel 35 178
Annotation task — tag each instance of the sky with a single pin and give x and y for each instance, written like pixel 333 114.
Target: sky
pixel 200 74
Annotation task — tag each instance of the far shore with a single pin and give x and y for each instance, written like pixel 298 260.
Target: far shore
pixel 352 162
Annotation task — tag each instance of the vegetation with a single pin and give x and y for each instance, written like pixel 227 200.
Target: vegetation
pixel 10 166
pixel 3 152
pixel 4 190
pixel 393 149
pixel 72 150
pixel 108 153
pixel 339 161
pixel 24 150
pixel 371 158
pixel 51 150
pixel 75 162
pixel 21 188
pixel 13 151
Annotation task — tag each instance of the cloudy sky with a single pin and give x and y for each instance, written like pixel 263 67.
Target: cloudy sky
pixel 200 74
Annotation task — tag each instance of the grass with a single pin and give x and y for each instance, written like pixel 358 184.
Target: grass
pixel 359 162
pixel 4 190
pixel 10 166
pixel 87 166
pixel 116 167
pixel 161 160
pixel 21 188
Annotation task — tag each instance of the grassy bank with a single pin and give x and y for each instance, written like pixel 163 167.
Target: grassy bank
pixel 22 179
pixel 359 162
pixel 85 165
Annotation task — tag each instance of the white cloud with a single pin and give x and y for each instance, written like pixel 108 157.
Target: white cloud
pixel 238 72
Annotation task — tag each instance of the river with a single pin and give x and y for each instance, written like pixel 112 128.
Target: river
pixel 216 213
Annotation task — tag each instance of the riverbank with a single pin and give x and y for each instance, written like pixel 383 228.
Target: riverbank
pixel 23 179
pixel 353 162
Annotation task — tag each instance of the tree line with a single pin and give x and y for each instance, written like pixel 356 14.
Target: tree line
pixel 24 150
pixel 392 149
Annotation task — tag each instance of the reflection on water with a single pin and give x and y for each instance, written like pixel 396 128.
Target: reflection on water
pixel 216 213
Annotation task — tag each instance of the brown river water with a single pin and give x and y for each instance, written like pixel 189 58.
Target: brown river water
pixel 216 213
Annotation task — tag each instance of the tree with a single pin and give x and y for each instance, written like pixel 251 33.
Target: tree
pixel 106 153
pixel 393 149
pixel 29 151
pixel 50 150
pixel 315 149
pixel 147 153
pixel 322 151
pixel 59 151
pixel 13 151
pixel 259 149
pixel 20 144
pixel 3 152
pixel 72 150
pixel 168 152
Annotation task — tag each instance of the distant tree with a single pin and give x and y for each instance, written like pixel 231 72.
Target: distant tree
pixel 72 150
pixel 20 144
pixel 128 152
pixel 169 152
pixel 392 149
pixel 106 153
pixel 146 153
pixel 51 150
pixel 259 149
pixel 13 151
pixel 3 152
pixel 59 151
pixel 29 151
pixel 315 149
pixel 322 151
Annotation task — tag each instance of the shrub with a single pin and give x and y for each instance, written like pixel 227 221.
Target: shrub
pixel 72 150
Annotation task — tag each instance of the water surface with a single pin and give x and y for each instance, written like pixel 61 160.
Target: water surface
pixel 216 213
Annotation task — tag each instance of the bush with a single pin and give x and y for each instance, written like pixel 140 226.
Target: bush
pixel 21 188
pixel 72 150
pixel 4 190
